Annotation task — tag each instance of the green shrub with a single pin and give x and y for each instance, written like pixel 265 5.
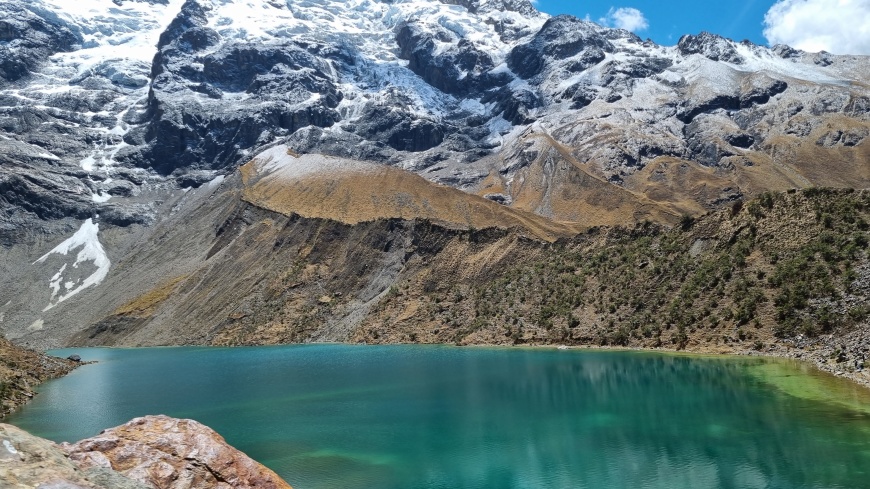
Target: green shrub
pixel 686 222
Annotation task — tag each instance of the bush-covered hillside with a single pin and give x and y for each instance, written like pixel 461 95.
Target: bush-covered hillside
pixel 781 269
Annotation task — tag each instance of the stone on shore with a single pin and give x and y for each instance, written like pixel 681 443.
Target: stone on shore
pixel 152 452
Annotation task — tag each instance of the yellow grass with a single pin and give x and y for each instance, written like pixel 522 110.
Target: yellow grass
pixel 146 304
pixel 383 192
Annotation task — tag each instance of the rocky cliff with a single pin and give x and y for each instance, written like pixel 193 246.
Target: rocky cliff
pixel 153 452
pixel 21 370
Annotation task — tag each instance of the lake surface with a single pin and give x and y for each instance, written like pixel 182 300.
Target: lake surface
pixel 340 416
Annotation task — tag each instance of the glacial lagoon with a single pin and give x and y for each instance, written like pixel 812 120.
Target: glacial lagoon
pixel 415 417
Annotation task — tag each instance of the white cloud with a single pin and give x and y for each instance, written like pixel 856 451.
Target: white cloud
pixel 630 19
pixel 836 26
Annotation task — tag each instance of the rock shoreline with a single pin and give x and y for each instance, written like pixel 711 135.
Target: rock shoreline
pixel 820 353
pixel 21 370
pixel 844 355
pixel 823 356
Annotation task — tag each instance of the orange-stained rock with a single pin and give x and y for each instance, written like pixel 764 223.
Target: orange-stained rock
pixel 170 453
pixel 28 462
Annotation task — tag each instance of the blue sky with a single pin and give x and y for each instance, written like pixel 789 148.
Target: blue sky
pixel 668 20
pixel 838 26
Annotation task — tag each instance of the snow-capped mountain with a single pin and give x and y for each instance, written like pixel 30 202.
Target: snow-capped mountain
pixel 100 97
pixel 111 110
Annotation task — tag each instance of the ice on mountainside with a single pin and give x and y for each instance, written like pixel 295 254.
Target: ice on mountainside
pixel 176 91
pixel 87 241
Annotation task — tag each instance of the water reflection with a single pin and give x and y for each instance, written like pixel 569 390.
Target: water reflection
pixel 432 417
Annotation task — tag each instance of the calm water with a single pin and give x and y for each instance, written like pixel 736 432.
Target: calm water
pixel 337 416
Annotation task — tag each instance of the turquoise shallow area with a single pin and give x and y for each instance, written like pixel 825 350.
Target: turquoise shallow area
pixel 340 416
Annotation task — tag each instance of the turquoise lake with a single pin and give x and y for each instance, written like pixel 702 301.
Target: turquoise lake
pixel 341 416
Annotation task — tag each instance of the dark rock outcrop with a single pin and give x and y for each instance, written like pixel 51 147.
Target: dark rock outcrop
pixel 523 7
pixel 761 92
pixel 757 94
pixel 560 38
pixel 740 140
pixel 183 132
pixel 692 109
pixel 711 46
pixel 641 67
pixel 460 70
pixel 843 138
pixel 398 128
pixel 28 39
pixel 48 196
pixel 515 106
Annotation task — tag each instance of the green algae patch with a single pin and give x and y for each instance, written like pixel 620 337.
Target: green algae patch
pixel 801 380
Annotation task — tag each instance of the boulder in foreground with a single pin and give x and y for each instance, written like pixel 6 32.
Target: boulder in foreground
pixel 152 452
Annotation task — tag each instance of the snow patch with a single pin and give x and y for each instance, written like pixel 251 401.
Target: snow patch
pixel 473 106
pixel 498 127
pixel 87 239
pixel 764 60
pixel 48 156
pixel 99 197
pixel 276 161
pixel 54 283
pixel 112 32
pixel 88 163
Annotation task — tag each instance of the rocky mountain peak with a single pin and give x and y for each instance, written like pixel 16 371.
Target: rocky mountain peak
pixel 561 38
pixel 523 7
pixel 155 2
pixel 712 46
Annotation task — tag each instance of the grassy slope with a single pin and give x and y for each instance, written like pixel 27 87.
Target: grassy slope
pixel 383 192
pixel 784 271
pixel 785 274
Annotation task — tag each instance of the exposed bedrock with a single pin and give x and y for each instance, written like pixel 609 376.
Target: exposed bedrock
pixel 560 38
pixel 523 7
pixel 757 91
pixel 192 120
pixel 711 46
pixel 462 69
pixel 145 453
pixel 28 39
pixel 397 128
pixel 515 105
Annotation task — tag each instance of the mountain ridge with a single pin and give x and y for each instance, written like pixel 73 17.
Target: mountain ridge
pixel 132 124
